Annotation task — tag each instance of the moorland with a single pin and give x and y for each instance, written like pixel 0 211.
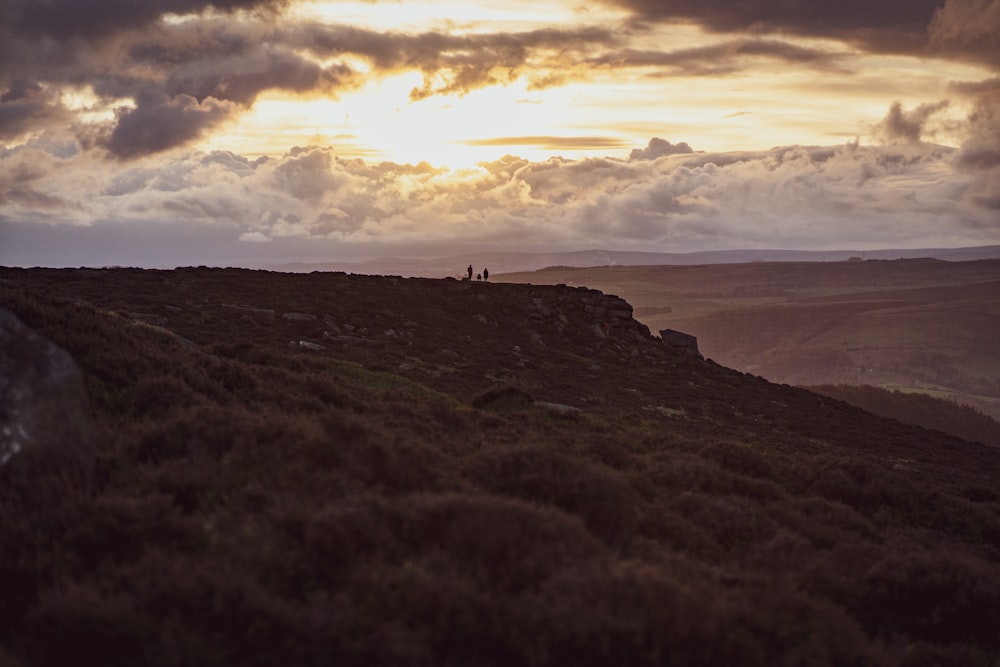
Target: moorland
pixel 912 325
pixel 336 469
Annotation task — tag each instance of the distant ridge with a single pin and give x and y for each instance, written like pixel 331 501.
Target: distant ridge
pixel 509 262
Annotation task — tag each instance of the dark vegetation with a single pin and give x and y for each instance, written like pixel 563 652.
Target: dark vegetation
pixel 407 494
pixel 920 325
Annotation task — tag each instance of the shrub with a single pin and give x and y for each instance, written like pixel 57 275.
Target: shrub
pixel 598 495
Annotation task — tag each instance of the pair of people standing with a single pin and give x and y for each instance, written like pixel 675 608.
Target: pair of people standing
pixel 485 275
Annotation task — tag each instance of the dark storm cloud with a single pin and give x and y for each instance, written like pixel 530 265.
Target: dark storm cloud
pixel 225 64
pixel 456 63
pixel 159 122
pixel 24 106
pixel 243 78
pixel 961 29
pixel 66 19
pixel 718 58
pixel 969 28
pixel 658 147
pixel 802 16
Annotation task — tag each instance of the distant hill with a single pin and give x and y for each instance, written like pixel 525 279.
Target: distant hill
pixel 920 409
pixel 249 467
pixel 509 262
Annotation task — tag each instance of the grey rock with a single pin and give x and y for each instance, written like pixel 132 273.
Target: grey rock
pixel 560 408
pixel 298 317
pixel 681 342
pixel 258 315
pixel 46 431
pixel 306 345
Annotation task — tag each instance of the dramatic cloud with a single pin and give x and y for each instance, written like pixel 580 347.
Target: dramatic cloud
pixel 658 148
pixel 67 19
pixel 25 106
pixel 159 122
pixel 724 58
pixel 969 27
pixel 841 196
pixel 138 117
pixel 900 125
pixel 959 29
pixel 887 26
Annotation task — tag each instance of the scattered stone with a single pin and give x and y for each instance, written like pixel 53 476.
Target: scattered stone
pixel 331 325
pixel 390 333
pixel 298 317
pixel 173 309
pixel 258 315
pixel 148 318
pixel 307 345
pixel 560 408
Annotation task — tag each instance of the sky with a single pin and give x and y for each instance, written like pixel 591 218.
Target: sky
pixel 168 133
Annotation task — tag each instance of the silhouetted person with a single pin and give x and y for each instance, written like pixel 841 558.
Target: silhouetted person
pixel 486 274
pixel 479 276
pixel 470 271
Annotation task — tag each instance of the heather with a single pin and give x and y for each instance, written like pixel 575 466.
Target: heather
pixel 452 473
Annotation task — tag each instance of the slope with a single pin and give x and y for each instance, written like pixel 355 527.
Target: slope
pixel 451 473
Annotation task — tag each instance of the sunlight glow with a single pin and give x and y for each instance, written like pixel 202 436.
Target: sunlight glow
pixel 579 112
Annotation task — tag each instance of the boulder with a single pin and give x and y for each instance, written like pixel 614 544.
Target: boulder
pixel 46 433
pixel 258 315
pixel 680 341
pixel 298 317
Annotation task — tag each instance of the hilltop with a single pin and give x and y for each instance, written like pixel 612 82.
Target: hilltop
pixel 510 262
pixel 330 468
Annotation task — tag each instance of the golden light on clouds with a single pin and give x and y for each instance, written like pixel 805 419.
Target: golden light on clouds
pixel 677 125
pixel 748 105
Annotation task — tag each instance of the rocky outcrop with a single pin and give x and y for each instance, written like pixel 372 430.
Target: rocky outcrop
pixel 680 341
pixel 46 439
